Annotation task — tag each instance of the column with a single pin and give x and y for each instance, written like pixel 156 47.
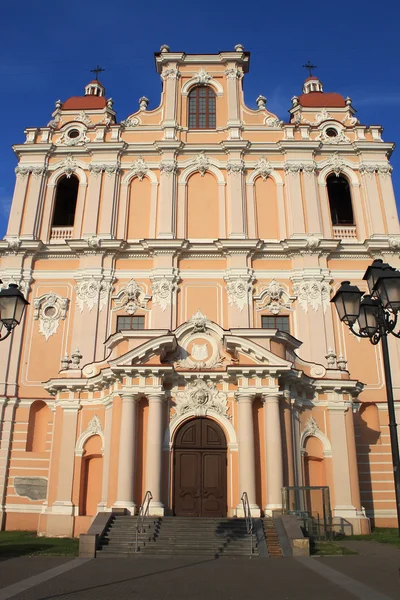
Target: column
pixel 108 206
pixel 392 220
pixel 14 224
pixel 127 453
pixel 60 521
pixel 247 471
pixel 273 450
pixel 33 206
pixel 102 506
pixel 314 218
pixel 374 208
pixel 344 507
pixel 154 445
pixel 89 226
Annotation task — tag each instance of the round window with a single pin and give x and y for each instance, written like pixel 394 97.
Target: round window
pixel 73 133
pixel 331 132
pixel 50 311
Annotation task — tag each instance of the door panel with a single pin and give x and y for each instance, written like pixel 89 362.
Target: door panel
pixel 187 483
pixel 200 479
pixel 213 490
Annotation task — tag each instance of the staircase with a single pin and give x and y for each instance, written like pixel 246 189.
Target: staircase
pixel 174 536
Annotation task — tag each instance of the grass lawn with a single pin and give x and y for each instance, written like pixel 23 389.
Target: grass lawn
pixel 329 549
pixel 385 535
pixel 27 543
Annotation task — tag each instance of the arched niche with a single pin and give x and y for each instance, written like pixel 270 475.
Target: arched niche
pixel 39 418
pixel 91 476
pixel 202 207
pixel 266 206
pixel 314 475
pixel 139 208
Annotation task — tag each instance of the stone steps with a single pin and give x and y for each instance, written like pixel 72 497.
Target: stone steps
pixel 177 536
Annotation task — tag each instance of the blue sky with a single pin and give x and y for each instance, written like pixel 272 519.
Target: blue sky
pixel 47 50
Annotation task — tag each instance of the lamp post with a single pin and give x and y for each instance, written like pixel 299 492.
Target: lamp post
pixel 12 307
pixel 376 316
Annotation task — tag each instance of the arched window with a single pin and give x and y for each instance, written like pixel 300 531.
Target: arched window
pixel 65 201
pixel 202 108
pixel 340 200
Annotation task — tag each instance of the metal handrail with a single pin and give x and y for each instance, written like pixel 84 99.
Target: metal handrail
pixel 143 513
pixel 249 519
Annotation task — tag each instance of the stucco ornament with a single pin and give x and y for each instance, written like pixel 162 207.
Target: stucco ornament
pixel 171 74
pixel 350 118
pixel 131 297
pixel 235 167
pixel 202 163
pixel 23 170
pixel 49 309
pixel 233 73
pixel 294 168
pixel 162 290
pixel 341 138
pixel 331 359
pixel 202 77
pixel 130 122
pixel 80 140
pixel 273 122
pixel 68 166
pixel 23 283
pixel 201 397
pixel 261 102
pixel 82 117
pixel 97 168
pixel 94 426
pixel 394 242
pixel 139 168
pixel 264 167
pixel 199 322
pixel 273 297
pixel 313 293
pixel 312 241
pixel 91 291
pixel 239 290
pixel 311 426
pixel 336 163
pixel 168 167
pixel 14 243
pixel 371 168
pixel 321 116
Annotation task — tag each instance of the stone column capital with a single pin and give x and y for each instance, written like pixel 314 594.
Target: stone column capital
pixel 271 397
pixel 244 397
pixel 130 397
pixel 156 397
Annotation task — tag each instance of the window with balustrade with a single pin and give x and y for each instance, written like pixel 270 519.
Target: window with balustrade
pixel 202 108
pixel 340 200
pixel 64 207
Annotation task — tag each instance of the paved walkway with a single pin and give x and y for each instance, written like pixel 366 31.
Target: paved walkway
pixel 146 578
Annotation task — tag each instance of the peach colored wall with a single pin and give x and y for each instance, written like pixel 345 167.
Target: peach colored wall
pixel 139 209
pixel 266 209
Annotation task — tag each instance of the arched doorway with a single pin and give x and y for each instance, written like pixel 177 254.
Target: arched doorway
pixel 200 465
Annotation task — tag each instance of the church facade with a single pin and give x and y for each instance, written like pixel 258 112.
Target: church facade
pixel 180 339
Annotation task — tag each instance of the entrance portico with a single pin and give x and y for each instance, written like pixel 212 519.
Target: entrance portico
pixel 210 424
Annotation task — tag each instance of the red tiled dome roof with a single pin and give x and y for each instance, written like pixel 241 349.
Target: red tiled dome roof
pixel 84 102
pixel 320 99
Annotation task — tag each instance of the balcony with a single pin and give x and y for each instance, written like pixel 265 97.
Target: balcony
pixel 60 233
pixel 345 232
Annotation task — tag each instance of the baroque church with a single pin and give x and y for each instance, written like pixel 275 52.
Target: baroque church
pixel 179 338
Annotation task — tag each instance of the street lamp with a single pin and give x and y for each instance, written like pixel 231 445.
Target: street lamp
pixel 376 316
pixel 12 307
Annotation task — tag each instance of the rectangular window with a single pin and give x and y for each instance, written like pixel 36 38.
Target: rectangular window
pixel 128 323
pixel 272 322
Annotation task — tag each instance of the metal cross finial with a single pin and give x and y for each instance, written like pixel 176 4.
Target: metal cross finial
pixel 309 66
pixel 97 70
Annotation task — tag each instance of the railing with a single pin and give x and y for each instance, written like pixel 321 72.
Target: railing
pixel 143 513
pixel 249 519
pixel 344 232
pixel 60 233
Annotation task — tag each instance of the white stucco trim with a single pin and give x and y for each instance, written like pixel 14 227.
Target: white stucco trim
pixel 193 168
pixel 225 423
pixel 59 172
pixel 83 438
pixel 194 81
pixel 322 438
pixel 251 178
pixel 126 180
pixel 328 169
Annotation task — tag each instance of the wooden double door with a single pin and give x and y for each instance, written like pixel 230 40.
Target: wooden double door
pixel 200 466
